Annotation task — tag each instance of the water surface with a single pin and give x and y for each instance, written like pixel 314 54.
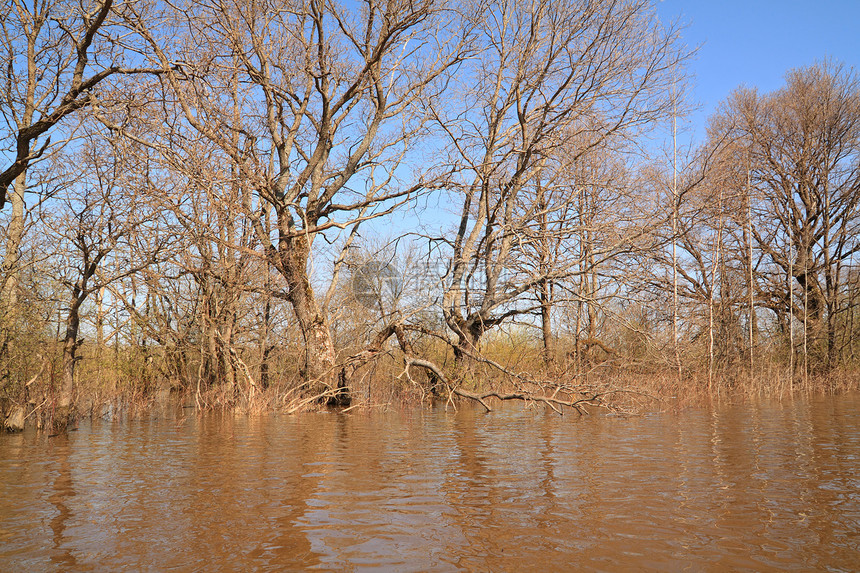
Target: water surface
pixel 769 487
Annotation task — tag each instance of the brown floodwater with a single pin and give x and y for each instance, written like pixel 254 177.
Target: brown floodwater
pixel 766 487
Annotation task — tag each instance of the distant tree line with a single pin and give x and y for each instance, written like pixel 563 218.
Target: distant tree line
pixel 233 200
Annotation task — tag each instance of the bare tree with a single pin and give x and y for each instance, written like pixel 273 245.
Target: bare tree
pixel 587 222
pixel 549 75
pixel 101 215
pixel 56 55
pixel 329 101
pixel 805 167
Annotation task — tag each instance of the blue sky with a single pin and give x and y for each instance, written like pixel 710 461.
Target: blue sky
pixel 754 42
pixel 741 42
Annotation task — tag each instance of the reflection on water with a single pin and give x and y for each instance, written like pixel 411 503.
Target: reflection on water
pixel 771 487
pixel 60 491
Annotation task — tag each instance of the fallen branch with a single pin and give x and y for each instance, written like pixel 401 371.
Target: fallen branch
pixel 555 403
pixel 330 393
pixel 480 358
pixel 593 398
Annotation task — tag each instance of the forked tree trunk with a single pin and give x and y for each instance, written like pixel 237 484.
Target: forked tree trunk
pixel 469 333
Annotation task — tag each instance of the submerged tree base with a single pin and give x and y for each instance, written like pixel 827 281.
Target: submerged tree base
pixel 14 422
pixel 388 375
pixel 622 392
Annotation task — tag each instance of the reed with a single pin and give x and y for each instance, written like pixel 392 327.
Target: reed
pixel 133 382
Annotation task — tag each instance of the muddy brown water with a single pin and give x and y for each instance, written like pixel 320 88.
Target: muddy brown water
pixel 767 487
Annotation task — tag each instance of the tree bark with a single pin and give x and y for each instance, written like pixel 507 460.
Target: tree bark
pixel 468 334
pixel 65 398
pixel 10 273
pixel 546 324
pixel 14 237
pixel 320 357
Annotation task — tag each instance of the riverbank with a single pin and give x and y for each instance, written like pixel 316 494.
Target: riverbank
pixel 623 392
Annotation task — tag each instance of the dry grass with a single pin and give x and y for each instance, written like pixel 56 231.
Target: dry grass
pixel 127 385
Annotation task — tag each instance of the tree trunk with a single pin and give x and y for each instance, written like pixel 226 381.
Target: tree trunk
pixel 265 348
pixel 832 356
pixel 14 236
pixel 468 332
pixel 675 214
pixel 228 366
pixel 467 343
pixel 751 286
pixel 65 397
pixel 10 272
pixel 320 357
pixel 546 324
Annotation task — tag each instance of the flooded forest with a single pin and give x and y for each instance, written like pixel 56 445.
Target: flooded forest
pixel 422 285
pixel 290 206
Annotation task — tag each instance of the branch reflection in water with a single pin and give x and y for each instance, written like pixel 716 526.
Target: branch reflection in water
pixel 766 487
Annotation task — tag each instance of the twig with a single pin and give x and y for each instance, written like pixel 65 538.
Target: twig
pixel 36 408
pixel 39 373
pixel 327 394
